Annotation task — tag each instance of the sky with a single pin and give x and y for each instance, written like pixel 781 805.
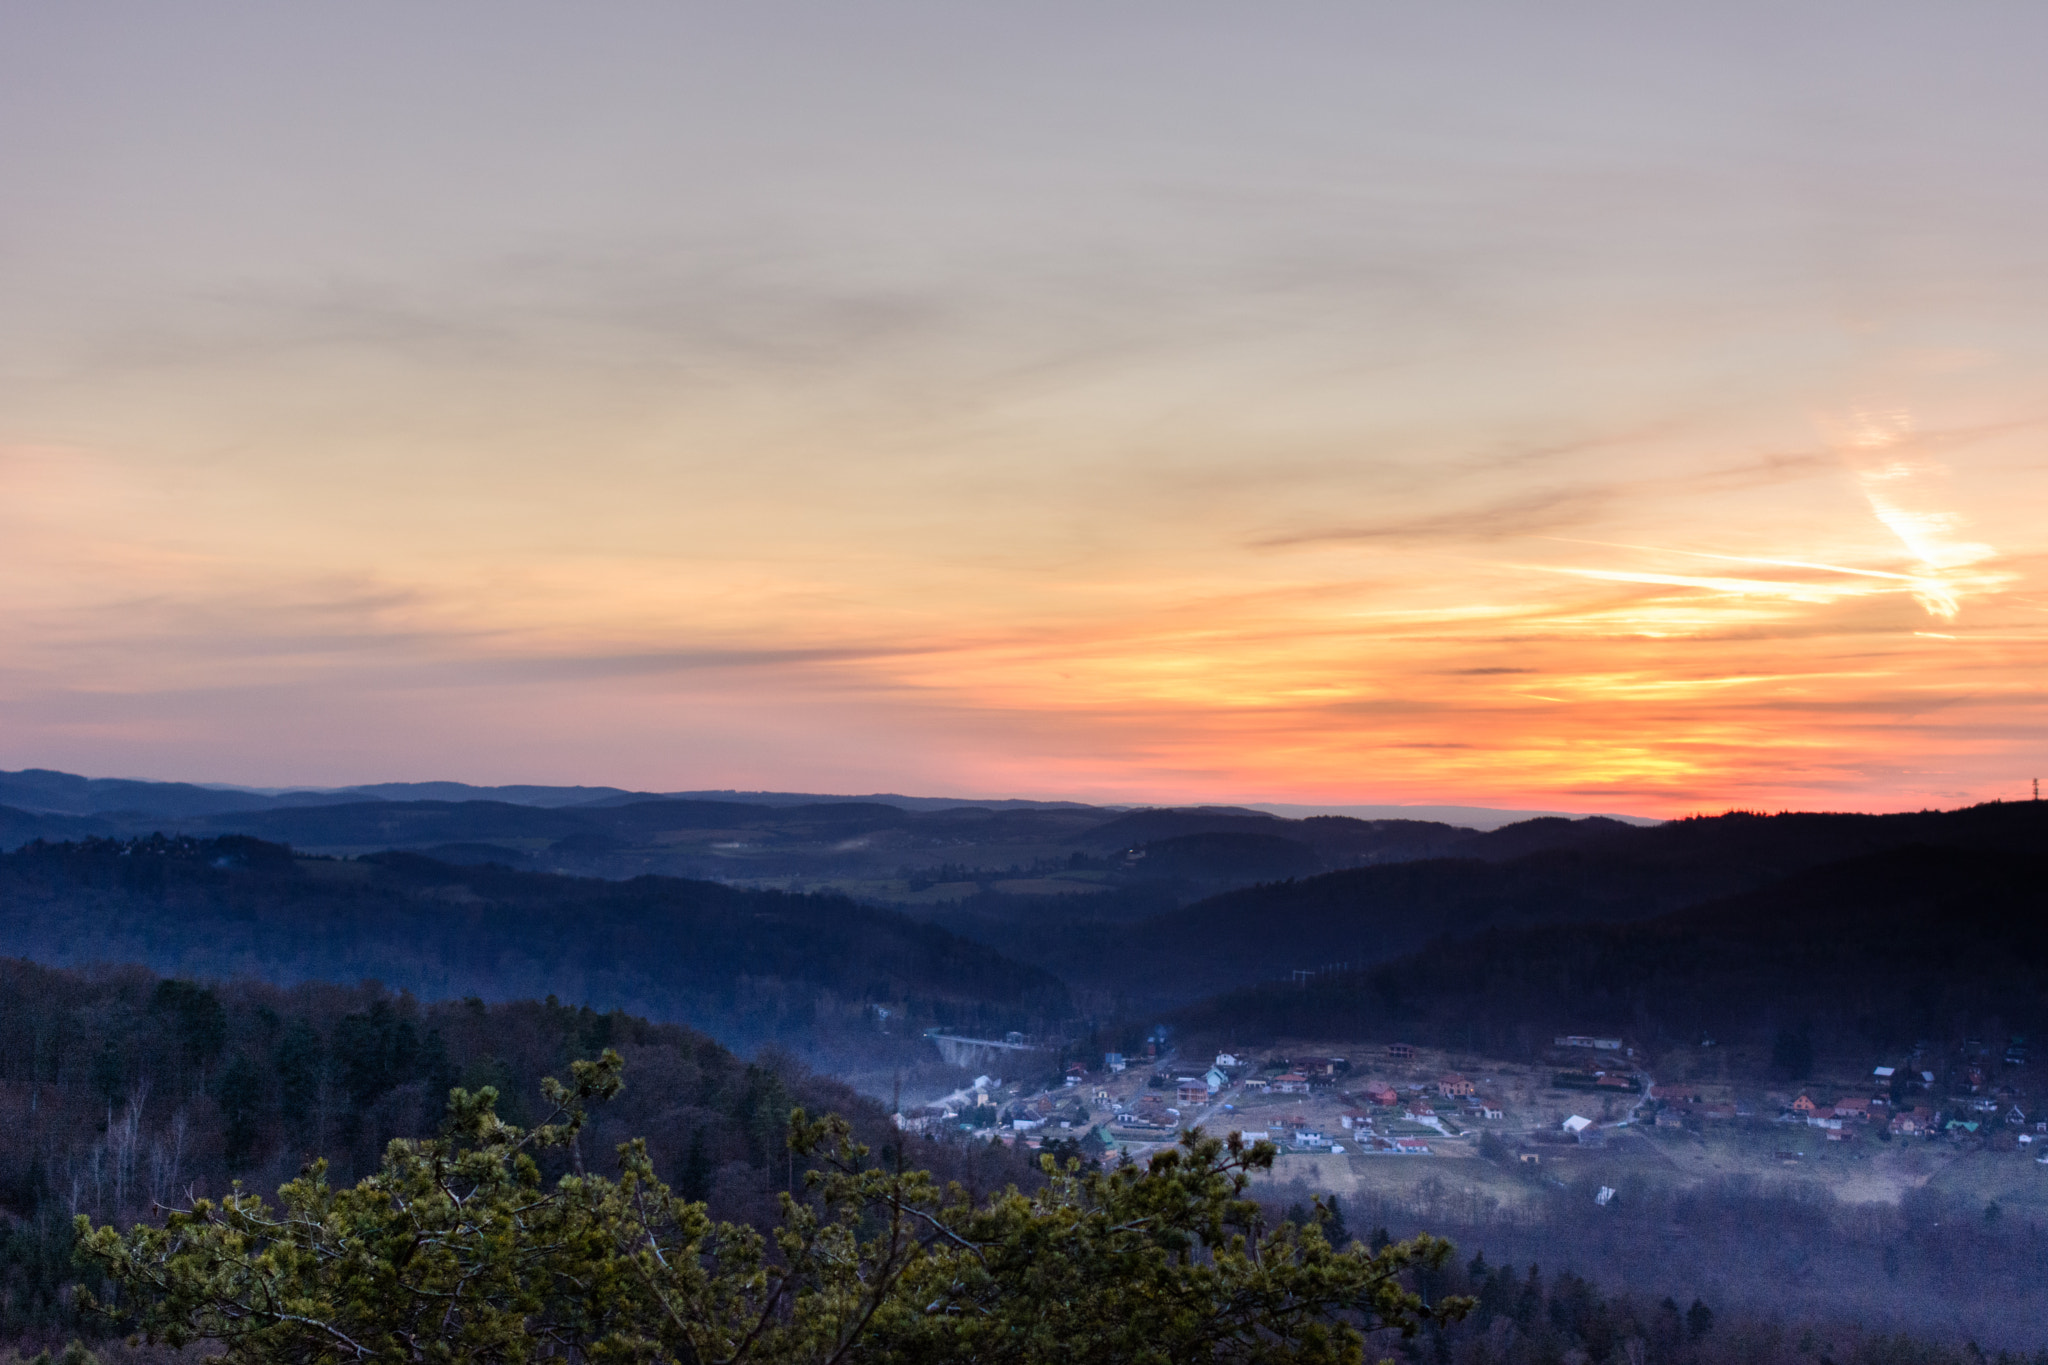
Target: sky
pixel 1585 406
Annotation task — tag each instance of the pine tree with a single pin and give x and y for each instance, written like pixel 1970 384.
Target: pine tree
pixel 458 1252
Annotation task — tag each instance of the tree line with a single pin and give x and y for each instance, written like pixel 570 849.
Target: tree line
pixel 121 1091
pixel 1860 957
pixel 751 967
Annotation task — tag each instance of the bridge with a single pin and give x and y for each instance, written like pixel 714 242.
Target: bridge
pixel 977 1052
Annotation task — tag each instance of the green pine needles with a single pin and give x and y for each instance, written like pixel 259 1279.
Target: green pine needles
pixel 458 1251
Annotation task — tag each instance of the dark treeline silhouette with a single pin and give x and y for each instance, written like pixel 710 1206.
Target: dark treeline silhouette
pixel 1916 943
pixel 750 967
pixel 121 1090
pixel 1538 872
pixel 625 834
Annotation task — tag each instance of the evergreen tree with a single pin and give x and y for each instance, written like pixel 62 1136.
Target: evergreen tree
pixel 457 1251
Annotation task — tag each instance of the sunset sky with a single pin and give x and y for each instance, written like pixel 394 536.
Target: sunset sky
pixel 1584 406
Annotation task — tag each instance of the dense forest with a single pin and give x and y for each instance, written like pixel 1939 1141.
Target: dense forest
pixel 120 1089
pixel 752 968
pixel 1865 955
pixel 1136 950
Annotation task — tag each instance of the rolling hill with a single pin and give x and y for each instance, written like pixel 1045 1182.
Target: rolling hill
pixel 748 967
pixel 1866 954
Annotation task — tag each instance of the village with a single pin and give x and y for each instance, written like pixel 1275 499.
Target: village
pixel 1339 1114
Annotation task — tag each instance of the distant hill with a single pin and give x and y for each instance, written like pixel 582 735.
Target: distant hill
pixel 1869 953
pixel 43 791
pixel 1229 856
pixel 748 967
pixel 1543 871
pixel 868 846
pixel 46 790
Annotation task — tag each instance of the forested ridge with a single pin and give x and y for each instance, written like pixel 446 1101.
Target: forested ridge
pixel 1523 877
pixel 120 1090
pixel 1870 953
pixel 751 967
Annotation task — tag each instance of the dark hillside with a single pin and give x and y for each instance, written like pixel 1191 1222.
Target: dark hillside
pixel 1229 858
pixel 1370 914
pixel 1869 954
pixel 119 1089
pixel 750 967
pixel 1585 871
pixel 1142 827
pixel 1765 847
pixel 1544 833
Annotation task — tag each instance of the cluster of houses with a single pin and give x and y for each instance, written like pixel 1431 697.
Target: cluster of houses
pixel 1423 1105
pixel 1978 1111
pixel 1302 1076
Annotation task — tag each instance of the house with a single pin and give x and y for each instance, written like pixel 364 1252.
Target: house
pixel 1453 1086
pixel 1401 1052
pixel 1856 1109
pixel 2016 1116
pixel 1420 1109
pixel 1803 1106
pixel 1290 1083
pixel 1215 1079
pixel 1316 1066
pixel 1914 1122
pixel 1482 1109
pixel 1191 1090
pixel 1584 1040
pixel 1227 1060
pixel 1674 1094
pixel 1670 1118
pixel 1382 1094
pixel 1113 1061
pixel 1576 1124
pixel 1411 1146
